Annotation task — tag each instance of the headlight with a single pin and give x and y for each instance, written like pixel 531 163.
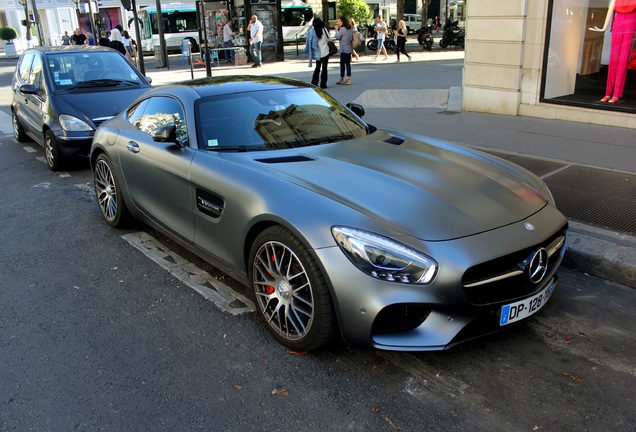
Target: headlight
pixel 73 124
pixel 383 258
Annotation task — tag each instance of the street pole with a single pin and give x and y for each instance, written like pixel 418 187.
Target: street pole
pixel 162 38
pixel 140 50
pixel 90 12
pixel 37 21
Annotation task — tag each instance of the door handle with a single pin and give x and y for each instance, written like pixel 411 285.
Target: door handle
pixel 133 147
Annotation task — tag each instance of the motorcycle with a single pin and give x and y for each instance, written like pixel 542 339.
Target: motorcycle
pixel 425 37
pixel 372 44
pixel 453 35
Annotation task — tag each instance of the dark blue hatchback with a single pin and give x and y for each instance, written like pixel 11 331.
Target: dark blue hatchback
pixel 62 94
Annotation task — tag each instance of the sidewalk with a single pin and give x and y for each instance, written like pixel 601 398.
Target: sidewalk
pixel 590 169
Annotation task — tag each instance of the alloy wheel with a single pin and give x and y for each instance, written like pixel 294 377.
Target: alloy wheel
pixel 106 190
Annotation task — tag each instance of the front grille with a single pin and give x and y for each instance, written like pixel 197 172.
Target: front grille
pixel 400 317
pixel 504 279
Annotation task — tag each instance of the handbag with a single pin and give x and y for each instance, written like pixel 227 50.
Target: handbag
pixel 333 49
pixel 631 62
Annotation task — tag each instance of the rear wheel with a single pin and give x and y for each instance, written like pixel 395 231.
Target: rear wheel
pixel 372 45
pixel 52 151
pixel 291 294
pixel 18 130
pixel 108 193
pixel 443 43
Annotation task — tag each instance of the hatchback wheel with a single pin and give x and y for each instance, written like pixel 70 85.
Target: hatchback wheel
pixel 108 193
pixel 52 151
pixel 18 130
pixel 292 296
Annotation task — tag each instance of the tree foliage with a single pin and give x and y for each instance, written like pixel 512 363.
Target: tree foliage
pixel 8 33
pixel 356 9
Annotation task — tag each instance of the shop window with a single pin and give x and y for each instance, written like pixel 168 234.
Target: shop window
pixel 586 50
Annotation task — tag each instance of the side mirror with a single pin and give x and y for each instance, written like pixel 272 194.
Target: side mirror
pixel 357 109
pixel 29 89
pixel 149 79
pixel 166 133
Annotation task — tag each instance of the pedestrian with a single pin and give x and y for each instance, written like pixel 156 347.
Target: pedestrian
pixel 228 41
pixel 380 30
pixel 78 37
pixel 90 40
pixel 66 39
pixel 126 41
pixel 117 40
pixel 103 39
pixel 344 34
pixel 436 23
pixel 318 49
pixel 401 40
pixel 256 39
pixel 354 27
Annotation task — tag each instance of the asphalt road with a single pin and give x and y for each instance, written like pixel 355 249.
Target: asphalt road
pixel 94 335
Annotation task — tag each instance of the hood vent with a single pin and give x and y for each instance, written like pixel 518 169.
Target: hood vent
pixel 285 159
pixel 395 140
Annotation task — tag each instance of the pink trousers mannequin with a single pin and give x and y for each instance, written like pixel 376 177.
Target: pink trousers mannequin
pixel 623 13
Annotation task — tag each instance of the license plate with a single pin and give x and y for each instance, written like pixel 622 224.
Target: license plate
pixel 524 308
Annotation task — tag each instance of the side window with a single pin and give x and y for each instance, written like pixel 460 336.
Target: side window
pixel 160 111
pixel 135 112
pixel 36 72
pixel 25 67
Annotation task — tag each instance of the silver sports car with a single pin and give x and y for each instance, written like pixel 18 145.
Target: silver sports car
pixel 394 240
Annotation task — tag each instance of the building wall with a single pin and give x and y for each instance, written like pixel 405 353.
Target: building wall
pixel 504 60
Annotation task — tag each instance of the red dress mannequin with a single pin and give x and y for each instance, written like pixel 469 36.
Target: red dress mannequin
pixel 623 29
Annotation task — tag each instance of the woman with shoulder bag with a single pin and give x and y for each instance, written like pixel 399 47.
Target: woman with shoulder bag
pixel 318 50
pixel 344 33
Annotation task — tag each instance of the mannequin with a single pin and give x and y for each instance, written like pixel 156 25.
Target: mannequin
pixel 623 29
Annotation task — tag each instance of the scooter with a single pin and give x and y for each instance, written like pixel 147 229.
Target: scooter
pixel 425 37
pixel 453 35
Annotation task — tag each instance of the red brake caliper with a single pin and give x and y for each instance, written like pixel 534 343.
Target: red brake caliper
pixel 269 289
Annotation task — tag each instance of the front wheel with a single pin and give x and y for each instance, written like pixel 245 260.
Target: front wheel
pixel 18 130
pixel 52 151
pixel 108 193
pixel 292 296
pixel 443 43
pixel 372 45
pixel 390 44
pixel 428 45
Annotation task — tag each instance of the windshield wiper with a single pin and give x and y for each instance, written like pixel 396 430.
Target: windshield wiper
pixel 328 139
pixel 102 82
pixel 236 148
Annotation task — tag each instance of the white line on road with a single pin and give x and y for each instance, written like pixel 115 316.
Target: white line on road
pixel 5 124
pixel 29 149
pixel 224 297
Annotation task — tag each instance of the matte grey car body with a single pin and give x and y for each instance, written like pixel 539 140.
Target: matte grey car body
pixel 396 240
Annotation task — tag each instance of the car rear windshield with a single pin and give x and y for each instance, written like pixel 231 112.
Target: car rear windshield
pixel 274 119
pixel 90 69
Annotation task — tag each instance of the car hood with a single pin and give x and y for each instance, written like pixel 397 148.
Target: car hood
pixel 430 191
pixel 105 102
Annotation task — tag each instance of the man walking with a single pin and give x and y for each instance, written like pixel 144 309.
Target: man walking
pixel 256 39
pixel 228 42
pixel 380 29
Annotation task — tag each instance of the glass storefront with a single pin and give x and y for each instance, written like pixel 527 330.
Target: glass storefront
pixel 587 57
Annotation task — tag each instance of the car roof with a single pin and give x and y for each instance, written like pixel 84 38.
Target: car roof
pixel 240 83
pixel 70 49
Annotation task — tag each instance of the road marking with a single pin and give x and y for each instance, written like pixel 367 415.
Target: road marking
pixel 405 98
pixel 223 297
pixel 29 149
pixel 44 185
pixel 6 126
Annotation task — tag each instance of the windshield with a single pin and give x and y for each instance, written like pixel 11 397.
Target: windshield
pixel 274 119
pixel 72 70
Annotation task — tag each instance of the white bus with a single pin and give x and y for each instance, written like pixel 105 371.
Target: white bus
pixel 179 22
pixel 296 20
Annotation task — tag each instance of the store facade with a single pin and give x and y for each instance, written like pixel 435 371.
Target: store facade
pixel 541 58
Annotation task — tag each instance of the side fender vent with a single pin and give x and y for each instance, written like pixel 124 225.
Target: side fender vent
pixel 285 159
pixel 395 140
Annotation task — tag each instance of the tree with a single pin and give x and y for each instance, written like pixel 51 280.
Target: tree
pixel 356 9
pixel 7 34
pixel 399 13
pixel 425 10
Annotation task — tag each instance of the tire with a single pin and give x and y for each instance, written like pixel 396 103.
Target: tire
pixel 18 131
pixel 389 44
pixel 108 193
pixel 428 46
pixel 292 296
pixel 372 45
pixel 52 152
pixel 461 43
pixel 443 43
